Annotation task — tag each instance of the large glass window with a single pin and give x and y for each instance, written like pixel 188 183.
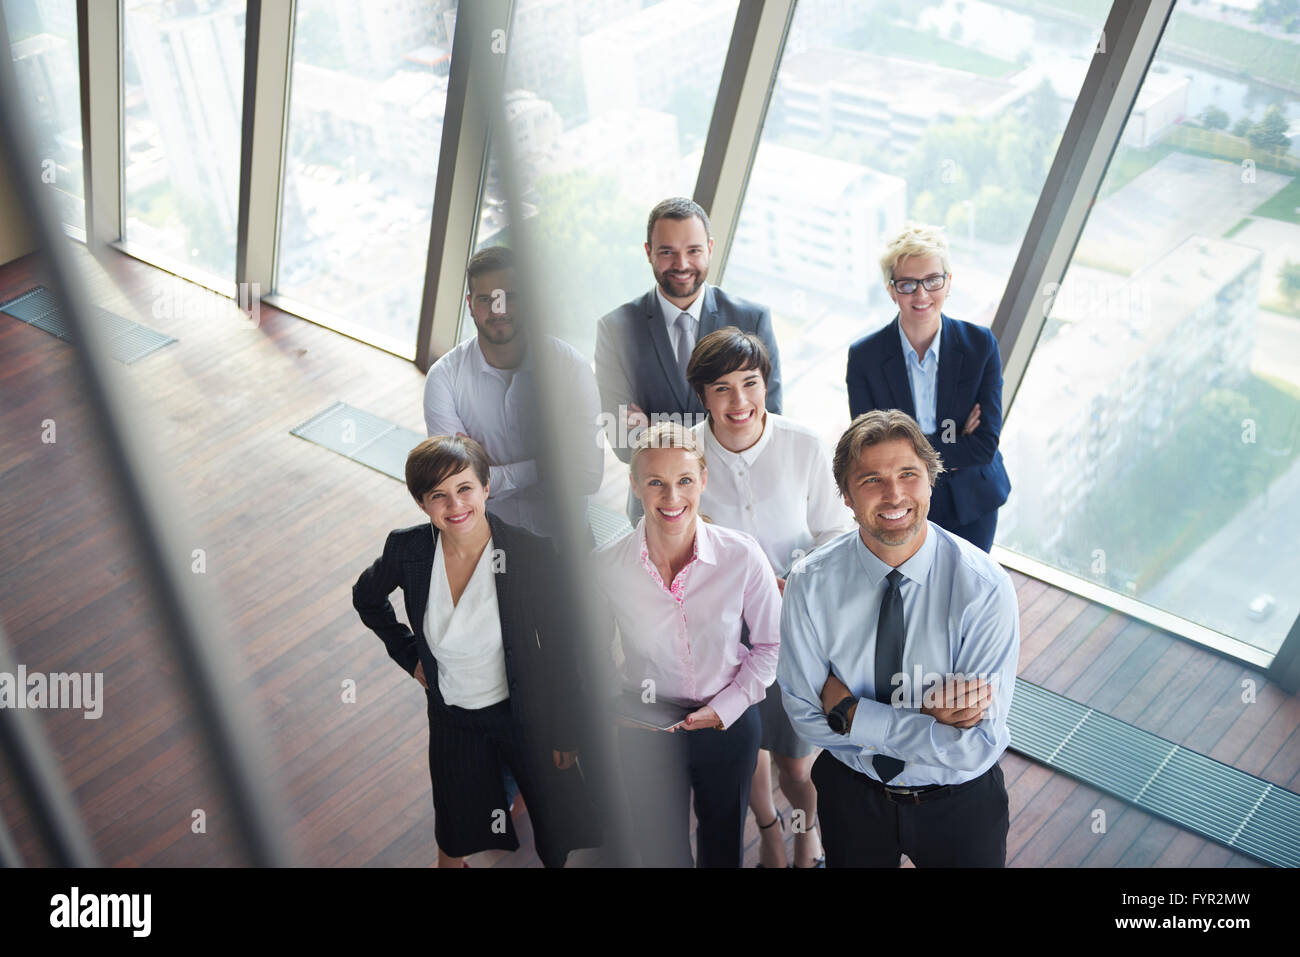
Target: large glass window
pixel 367 98
pixel 43 41
pixel 1153 443
pixel 946 113
pixel 183 88
pixel 608 105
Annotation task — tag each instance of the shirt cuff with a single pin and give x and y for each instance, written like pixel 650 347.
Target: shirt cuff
pixel 871 723
pixel 730 703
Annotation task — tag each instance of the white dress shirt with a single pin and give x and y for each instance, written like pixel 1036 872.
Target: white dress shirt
pixel 685 636
pixel 780 490
pixel 497 408
pixel 465 638
pixel 671 314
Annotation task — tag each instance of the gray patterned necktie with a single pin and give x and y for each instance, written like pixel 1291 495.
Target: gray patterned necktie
pixel 684 345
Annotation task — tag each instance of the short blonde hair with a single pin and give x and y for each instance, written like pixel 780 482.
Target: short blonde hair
pixel 667 435
pixel 877 426
pixel 916 239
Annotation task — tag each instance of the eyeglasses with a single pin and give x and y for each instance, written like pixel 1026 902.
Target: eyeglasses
pixel 929 283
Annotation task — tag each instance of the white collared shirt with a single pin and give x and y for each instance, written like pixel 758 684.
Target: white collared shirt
pixel 923 377
pixel 684 636
pixel 671 313
pixel 465 638
pixel 780 490
pixel 497 407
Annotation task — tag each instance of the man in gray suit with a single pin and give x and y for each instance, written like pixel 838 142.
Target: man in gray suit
pixel 642 347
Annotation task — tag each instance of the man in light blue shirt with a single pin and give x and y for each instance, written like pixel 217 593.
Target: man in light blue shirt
pixel 899 646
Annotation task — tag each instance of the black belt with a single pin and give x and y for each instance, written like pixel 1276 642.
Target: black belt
pixel 919 795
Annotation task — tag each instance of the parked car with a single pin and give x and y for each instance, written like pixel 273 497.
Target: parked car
pixel 1261 606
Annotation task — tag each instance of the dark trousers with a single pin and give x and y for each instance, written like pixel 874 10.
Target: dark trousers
pixel 660 770
pixel 979 532
pixel 862 826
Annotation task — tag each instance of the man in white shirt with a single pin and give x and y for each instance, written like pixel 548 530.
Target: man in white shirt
pixel 485 388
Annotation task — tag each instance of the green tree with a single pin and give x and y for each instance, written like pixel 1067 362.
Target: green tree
pixel 1270 132
pixel 1214 118
pixel 1044 106
pixel 582 218
pixel 1224 460
pixel 1288 280
pixel 1242 126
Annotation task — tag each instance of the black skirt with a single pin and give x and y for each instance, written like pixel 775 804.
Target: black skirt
pixel 468 748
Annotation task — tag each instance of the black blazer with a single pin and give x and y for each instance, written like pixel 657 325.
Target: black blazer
pixel 635 361
pixel 974 481
pixel 541 667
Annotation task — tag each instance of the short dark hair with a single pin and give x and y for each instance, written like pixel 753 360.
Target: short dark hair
pixel 433 460
pixel 877 426
pixel 677 207
pixel 723 352
pixel 489 259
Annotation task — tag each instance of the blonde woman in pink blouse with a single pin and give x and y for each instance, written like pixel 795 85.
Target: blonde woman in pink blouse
pixel 679 591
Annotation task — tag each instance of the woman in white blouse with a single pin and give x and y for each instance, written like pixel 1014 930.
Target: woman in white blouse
pixel 681 591
pixel 488 644
pixel 770 477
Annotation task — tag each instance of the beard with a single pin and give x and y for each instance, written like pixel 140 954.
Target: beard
pixel 898 536
pixel 667 285
pixel 497 334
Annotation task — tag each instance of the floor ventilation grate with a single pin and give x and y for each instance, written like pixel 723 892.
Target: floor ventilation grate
pixel 128 340
pixel 1199 794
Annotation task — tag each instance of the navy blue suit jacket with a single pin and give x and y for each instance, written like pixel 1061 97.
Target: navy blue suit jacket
pixel 974 481
pixel 635 362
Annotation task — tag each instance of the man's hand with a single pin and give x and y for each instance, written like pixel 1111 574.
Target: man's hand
pixel 833 692
pixel 419 674
pixel 706 717
pixel 564 759
pixel 972 420
pixel 963 703
pixel 636 417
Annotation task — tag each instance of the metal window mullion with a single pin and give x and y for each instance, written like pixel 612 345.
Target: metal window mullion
pixel 462 166
pixel 1129 40
pixel 268 64
pixel 1284 671
pixel 99 56
pixel 739 110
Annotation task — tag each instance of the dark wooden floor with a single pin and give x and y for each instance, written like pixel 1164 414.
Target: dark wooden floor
pixel 286 526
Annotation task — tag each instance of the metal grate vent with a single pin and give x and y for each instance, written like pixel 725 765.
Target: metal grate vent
pixel 362 437
pixel 128 340
pixel 606 525
pixel 1207 797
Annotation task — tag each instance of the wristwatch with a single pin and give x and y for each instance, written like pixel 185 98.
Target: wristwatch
pixel 838 716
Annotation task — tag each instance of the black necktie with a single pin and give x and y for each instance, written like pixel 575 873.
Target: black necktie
pixel 889 661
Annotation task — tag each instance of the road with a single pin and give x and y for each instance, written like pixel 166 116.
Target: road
pixel 1255 552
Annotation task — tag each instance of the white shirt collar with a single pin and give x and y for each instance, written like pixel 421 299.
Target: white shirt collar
pixel 483 367
pixel 750 455
pixel 671 312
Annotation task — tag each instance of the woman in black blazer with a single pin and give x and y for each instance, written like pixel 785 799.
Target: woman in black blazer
pixel 490 647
